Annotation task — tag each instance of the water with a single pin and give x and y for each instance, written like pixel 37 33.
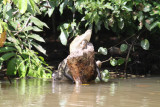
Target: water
pixel 144 92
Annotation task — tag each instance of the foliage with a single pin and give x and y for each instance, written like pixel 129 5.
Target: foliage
pixel 117 15
pixel 21 26
pixel 103 51
pixel 104 76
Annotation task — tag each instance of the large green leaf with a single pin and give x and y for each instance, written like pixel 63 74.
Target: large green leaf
pixel 6 56
pixel 145 44
pixel 36 37
pixel 6 49
pixel 39 48
pixel 22 5
pixel 12 67
pixel 38 23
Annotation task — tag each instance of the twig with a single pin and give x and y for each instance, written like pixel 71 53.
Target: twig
pixel 23 26
pixel 15 12
pixel 127 57
pixel 107 60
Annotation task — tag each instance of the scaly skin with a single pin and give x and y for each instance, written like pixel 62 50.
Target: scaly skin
pixel 76 43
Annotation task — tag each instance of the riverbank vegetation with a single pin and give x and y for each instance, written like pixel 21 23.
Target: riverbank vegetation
pixel 126 31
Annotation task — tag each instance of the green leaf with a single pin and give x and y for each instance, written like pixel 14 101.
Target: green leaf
pixel 39 48
pixel 121 23
pixel 50 12
pixel 36 37
pixel 28 28
pixel 21 67
pixel 22 5
pixel 103 51
pixel 6 56
pixel 12 67
pixel 123 47
pixel 63 36
pixel 106 24
pixel 154 24
pixel 120 61
pixel 105 75
pixel 38 23
pixel 147 8
pixel 108 5
pixel 37 29
pixel 140 16
pixel 126 8
pixel 145 44
pixel 32 4
pixel 31 72
pixel 61 8
pixel 7 49
pixel 113 62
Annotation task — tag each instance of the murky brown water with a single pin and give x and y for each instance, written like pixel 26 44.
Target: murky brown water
pixel 143 92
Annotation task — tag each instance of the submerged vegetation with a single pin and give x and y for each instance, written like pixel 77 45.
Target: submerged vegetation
pixel 21 27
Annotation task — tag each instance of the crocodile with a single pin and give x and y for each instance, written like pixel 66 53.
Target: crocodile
pixel 80 42
pixel 64 72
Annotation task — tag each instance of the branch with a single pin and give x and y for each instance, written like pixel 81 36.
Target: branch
pixel 23 26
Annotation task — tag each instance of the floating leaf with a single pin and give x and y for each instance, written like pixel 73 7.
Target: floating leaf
pixel 113 62
pixel 145 44
pixel 102 51
pixel 123 47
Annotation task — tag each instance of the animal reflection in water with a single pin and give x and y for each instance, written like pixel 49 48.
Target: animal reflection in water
pixel 82 95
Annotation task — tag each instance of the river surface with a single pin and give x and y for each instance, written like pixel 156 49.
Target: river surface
pixel 144 92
